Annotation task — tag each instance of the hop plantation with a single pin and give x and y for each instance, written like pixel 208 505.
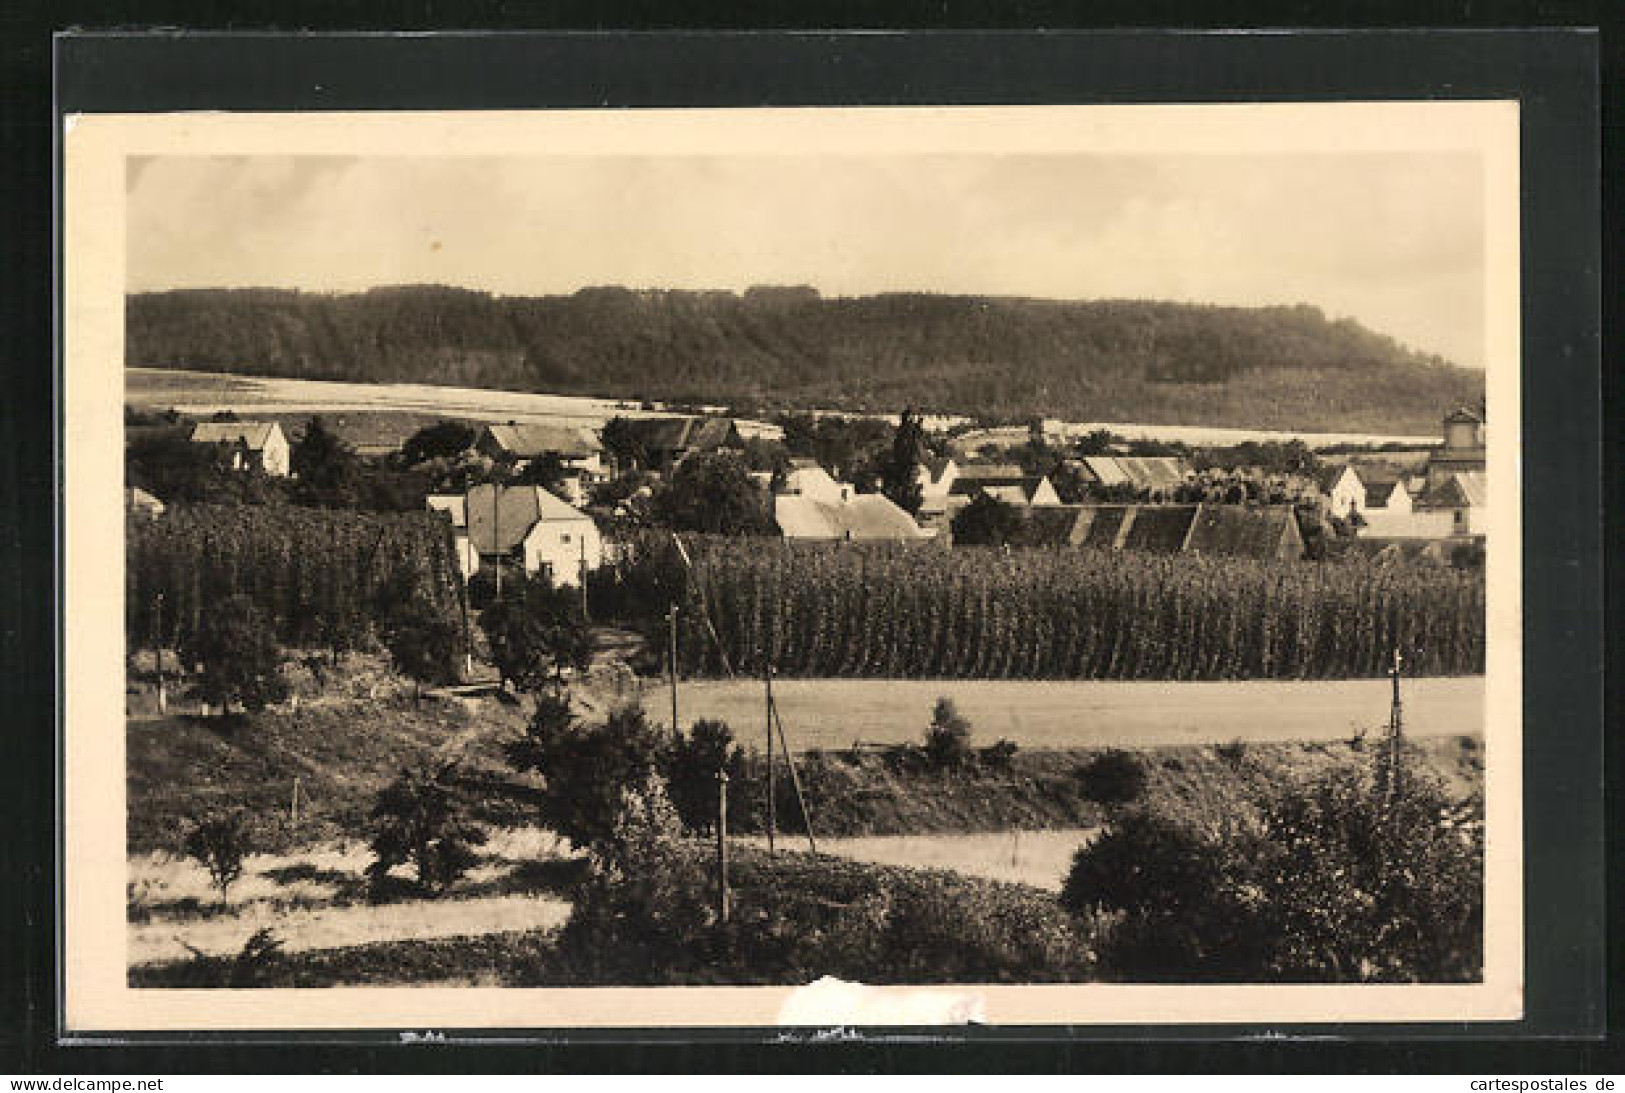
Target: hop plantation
pixel 1041 614
pixel 321 577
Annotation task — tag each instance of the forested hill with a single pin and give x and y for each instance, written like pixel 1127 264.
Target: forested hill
pixel 770 348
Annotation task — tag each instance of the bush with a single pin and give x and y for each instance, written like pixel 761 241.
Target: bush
pixel 999 755
pixel 423 644
pixel 423 821
pixel 239 655
pixel 1336 881
pixel 691 774
pixel 1113 778
pixel 947 741
pixel 219 842
pixel 587 768
pixel 535 632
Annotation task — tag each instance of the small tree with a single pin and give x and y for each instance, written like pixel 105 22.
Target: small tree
pixel 536 634
pixel 422 820
pixel 423 643
pixel 325 466
pixel 442 440
pixel 1113 778
pixel 219 842
pixel 587 768
pixel 622 442
pixel 239 656
pixel 947 741
pixel 692 776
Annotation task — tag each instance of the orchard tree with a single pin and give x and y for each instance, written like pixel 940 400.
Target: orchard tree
pixel 424 644
pixel 239 656
pixel 712 494
pixel 587 769
pixel 219 842
pixel 423 821
pixel 535 632
pixel 620 439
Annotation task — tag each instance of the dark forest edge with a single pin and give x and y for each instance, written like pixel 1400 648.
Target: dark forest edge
pixel 1280 367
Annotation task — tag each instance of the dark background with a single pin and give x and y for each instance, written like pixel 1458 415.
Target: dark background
pixel 1552 73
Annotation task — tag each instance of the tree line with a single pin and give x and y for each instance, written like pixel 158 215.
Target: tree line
pixel 1287 366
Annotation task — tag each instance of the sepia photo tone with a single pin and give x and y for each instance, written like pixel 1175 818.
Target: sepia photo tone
pixel 1021 565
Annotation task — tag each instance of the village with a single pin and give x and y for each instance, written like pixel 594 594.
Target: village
pixel 406 694
pixel 552 496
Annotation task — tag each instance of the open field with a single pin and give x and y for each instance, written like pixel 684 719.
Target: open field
pixel 832 714
pixel 210 392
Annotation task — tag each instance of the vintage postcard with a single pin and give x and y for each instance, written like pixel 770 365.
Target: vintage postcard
pixel 664 568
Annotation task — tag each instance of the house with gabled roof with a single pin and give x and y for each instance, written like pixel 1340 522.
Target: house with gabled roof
pixel 1245 531
pixel 1465 496
pixel 807 478
pixel 528 526
pixel 667 441
pixel 254 445
pixel 1002 482
pixel 1342 488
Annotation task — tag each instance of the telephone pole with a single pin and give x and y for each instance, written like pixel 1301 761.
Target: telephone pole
pixel 671 659
pixel 722 845
pixel 772 801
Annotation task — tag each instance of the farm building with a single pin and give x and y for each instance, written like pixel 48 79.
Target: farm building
pixel 1229 531
pixel 1342 488
pixel 254 445
pixel 528 525
pixel 807 479
pixel 866 518
pixel 576 449
pixel 1390 511
pixel 936 476
pixel 1151 475
pixel 1465 496
pixel 1002 482
pixel 667 441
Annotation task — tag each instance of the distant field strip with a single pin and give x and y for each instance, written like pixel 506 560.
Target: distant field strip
pixel 832 714
pixel 1038 858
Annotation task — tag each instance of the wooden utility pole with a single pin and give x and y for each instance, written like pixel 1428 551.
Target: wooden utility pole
pixel 582 574
pixel 158 651
pixel 1396 730
pixel 722 845
pixel 795 781
pixel 772 796
pixel 496 535
pixel 671 659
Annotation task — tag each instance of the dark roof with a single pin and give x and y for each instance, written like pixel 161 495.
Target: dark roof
pixel 1103 524
pixel 254 435
pixel 530 440
pixel 517 510
pixel 1327 474
pixel 1160 528
pixel 678 434
pixel 1245 531
pixel 136 434
pixel 1028 484
pixel 1058 525
pixel 1463 415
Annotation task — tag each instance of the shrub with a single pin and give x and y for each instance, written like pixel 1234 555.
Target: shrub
pixel 219 842
pixel 1336 881
pixel 1233 753
pixel 947 740
pixel 422 820
pixel 423 644
pixel 587 768
pixel 999 755
pixel 1113 778
pixel 239 655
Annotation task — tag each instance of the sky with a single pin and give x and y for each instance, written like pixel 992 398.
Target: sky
pixel 1395 241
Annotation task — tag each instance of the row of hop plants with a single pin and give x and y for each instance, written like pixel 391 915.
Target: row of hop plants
pixel 892 611
pixel 316 576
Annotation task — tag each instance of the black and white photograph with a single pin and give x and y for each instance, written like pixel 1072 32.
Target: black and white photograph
pixel 893 566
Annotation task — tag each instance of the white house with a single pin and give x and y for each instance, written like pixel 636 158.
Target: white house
pixel 528 525
pixel 936 476
pixel 1390 511
pixel 453 505
pixel 1465 496
pixel 260 445
pixel 807 479
pixel 1343 490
